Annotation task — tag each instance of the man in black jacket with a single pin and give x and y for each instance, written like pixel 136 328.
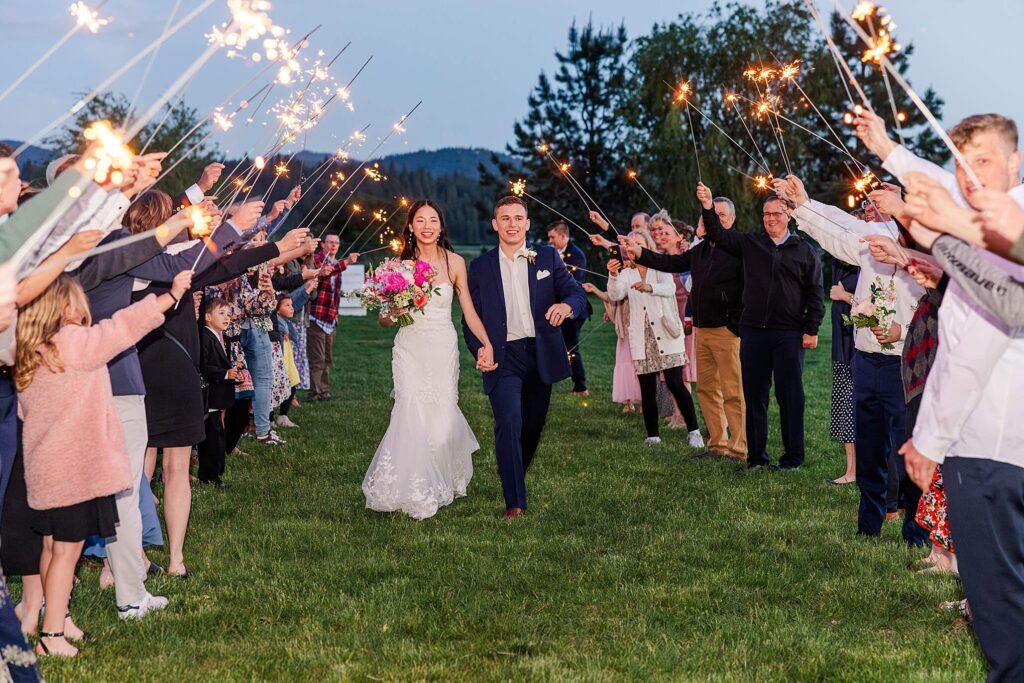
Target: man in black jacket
pixel 717 304
pixel 783 305
pixel 576 261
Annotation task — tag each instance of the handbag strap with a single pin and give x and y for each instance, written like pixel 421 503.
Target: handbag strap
pixel 181 346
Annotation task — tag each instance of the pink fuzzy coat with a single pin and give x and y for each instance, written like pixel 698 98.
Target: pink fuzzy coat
pixel 73 439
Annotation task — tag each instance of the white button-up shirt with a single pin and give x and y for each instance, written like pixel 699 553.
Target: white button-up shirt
pixel 840 234
pixel 515 283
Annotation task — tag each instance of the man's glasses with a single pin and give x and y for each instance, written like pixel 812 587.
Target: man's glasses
pixel 774 214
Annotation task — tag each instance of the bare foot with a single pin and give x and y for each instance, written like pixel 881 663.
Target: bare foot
pixel 72 631
pixel 177 570
pixel 845 479
pixel 106 578
pixel 58 647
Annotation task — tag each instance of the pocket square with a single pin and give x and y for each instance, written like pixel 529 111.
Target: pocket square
pixel 541 274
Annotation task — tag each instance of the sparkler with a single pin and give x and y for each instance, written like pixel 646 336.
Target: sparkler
pixel 102 87
pixel 841 65
pixel 632 175
pixel 149 66
pixel 683 97
pixel 731 98
pixel 581 192
pixel 111 157
pixel 518 188
pixel 84 18
pixel 918 102
pixel 720 130
pixel 394 245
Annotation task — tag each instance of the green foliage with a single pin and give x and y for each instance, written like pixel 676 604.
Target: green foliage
pixel 179 122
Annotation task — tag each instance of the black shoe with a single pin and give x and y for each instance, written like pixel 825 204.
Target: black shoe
pixel 707 455
pixel 788 468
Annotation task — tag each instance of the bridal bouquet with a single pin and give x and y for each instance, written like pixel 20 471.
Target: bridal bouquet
pixel 877 311
pixel 397 288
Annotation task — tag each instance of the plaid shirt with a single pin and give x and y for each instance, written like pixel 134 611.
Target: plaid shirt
pixel 324 305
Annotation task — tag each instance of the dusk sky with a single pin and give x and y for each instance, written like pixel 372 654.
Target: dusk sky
pixel 473 63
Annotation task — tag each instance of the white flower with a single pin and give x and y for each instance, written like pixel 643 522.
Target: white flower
pixel 528 254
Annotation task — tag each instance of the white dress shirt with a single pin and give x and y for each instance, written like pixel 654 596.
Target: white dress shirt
pixel 819 221
pixel 515 285
pixel 971 402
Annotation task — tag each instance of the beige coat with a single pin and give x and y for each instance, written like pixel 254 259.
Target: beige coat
pixel 658 309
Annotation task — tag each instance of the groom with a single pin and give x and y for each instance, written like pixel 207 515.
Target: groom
pixel 523 295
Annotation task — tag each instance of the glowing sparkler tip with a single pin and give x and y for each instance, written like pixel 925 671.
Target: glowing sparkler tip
pixel 260 163
pixel 901 117
pixel 396 246
pixel 518 187
pixel 86 17
pixel 403 201
pixel 631 175
pixel 281 169
pixel 864 9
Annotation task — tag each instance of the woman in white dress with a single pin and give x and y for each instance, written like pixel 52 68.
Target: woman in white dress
pixel 425 459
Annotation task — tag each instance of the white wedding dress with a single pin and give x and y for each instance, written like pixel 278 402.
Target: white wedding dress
pixel 425 460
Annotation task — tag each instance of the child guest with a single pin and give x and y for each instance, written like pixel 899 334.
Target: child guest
pixel 220 376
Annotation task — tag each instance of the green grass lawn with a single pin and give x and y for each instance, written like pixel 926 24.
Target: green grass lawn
pixel 632 563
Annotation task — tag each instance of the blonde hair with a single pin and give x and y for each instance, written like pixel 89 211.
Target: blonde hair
pixel 660 218
pixel 963 133
pixel 646 234
pixel 39 323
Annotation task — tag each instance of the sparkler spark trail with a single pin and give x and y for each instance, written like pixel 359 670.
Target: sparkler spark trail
pixel 102 87
pixel 84 18
pixel 518 188
pixel 922 107
pixel 683 97
pixel 632 175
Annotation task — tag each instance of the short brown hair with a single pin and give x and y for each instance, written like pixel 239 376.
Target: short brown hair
pixel 509 200
pixel 152 208
pixel 213 303
pixel 962 133
pixel 6 150
pixel 559 227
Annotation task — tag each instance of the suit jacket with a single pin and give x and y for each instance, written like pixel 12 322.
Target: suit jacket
pixel 574 260
pixel 214 363
pixel 556 286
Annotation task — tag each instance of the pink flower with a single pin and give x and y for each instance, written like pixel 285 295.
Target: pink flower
pixel 863 308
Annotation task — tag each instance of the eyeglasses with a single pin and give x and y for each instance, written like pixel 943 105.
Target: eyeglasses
pixel 774 214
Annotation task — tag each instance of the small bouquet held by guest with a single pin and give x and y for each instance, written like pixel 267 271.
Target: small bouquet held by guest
pixel 396 288
pixel 877 311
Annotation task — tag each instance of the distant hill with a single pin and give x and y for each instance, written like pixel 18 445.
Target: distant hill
pixel 440 162
pixel 37 156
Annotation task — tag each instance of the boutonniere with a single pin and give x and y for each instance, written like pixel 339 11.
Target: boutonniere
pixel 529 254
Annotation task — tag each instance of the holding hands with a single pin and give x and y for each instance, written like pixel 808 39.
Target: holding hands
pixel 485 359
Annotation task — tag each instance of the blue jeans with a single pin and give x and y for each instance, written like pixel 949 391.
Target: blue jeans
pixel 259 357
pixel 881 410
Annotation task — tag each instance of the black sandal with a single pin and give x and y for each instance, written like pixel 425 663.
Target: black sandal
pixel 86 636
pixel 48 634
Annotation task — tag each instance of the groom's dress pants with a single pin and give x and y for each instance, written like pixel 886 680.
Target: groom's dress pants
pixel 520 402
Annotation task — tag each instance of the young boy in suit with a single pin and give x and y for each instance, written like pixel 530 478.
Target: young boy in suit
pixel 220 377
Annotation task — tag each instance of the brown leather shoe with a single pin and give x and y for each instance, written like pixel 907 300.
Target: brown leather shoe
pixel 512 513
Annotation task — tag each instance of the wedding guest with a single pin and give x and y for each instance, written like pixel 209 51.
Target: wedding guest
pixel 655 339
pixel 576 261
pixel 285 328
pixel 877 361
pixel 169 357
pixel 783 306
pixel 842 425
pixel 220 378
pixel 71 481
pixel 625 385
pixel 717 299
pixel 323 316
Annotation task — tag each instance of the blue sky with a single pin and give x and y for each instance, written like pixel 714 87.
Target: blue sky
pixel 473 62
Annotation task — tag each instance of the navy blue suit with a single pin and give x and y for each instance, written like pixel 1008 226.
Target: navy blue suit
pixel 520 389
pixel 576 261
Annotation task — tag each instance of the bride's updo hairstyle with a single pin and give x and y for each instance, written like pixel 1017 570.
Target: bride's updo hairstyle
pixel 410 250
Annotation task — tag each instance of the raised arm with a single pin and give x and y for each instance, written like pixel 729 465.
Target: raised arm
pixel 1001 293
pixel 729 240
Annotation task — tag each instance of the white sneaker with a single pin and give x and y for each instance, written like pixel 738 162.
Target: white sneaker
pixel 652 440
pixel 148 604
pixel 284 421
pixel 695 439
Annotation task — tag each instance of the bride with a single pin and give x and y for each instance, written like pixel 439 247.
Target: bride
pixel 425 459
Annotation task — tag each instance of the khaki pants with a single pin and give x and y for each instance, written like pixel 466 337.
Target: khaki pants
pixel 125 550
pixel 320 349
pixel 720 390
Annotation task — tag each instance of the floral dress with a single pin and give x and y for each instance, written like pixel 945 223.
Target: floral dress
pixel 17 660
pixel 932 513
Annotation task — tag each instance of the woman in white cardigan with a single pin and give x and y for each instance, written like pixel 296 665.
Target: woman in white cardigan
pixel 656 339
